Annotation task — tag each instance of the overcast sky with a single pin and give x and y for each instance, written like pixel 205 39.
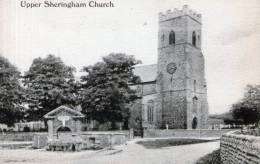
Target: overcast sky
pixel 230 38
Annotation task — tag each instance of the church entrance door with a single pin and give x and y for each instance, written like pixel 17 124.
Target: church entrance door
pixel 194 123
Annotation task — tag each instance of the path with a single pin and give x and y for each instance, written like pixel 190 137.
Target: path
pixel 131 153
pixel 137 154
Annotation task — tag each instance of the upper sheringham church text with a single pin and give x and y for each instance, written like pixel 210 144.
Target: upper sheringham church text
pixel 71 4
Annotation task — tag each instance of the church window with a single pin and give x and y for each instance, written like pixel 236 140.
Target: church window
pixel 162 38
pixel 194 38
pixel 172 37
pixel 150 111
pixel 194 104
pixel 194 85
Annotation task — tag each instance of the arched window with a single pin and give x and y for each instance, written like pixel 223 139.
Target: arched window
pixel 194 38
pixel 162 38
pixel 150 111
pixel 194 85
pixel 194 123
pixel 194 104
pixel 172 37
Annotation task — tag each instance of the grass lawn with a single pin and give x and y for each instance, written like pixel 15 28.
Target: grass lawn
pixel 212 158
pixel 160 143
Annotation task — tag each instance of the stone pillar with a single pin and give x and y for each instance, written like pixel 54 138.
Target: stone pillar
pixel 78 126
pixel 50 128
pixel 131 133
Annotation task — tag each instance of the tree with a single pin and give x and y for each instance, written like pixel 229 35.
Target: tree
pixel 106 93
pixel 248 109
pixel 49 84
pixel 11 93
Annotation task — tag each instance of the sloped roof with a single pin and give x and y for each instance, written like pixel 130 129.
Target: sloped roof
pixel 147 73
pixel 52 114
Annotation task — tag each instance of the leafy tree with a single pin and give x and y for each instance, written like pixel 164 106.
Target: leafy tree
pixel 248 109
pixel 49 83
pixel 106 93
pixel 11 93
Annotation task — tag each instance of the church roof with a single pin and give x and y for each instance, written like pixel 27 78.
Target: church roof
pixel 147 73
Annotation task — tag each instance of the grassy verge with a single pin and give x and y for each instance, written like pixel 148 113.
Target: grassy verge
pixel 212 158
pixel 160 143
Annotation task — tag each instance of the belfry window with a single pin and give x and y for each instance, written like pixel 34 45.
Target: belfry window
pixel 150 111
pixel 172 37
pixel 194 38
pixel 194 104
pixel 194 85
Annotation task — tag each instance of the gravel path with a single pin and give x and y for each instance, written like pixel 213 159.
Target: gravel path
pixel 137 154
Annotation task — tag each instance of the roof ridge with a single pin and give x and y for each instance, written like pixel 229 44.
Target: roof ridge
pixel 64 107
pixel 144 65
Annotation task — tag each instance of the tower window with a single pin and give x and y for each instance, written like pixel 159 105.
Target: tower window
pixel 172 37
pixel 194 85
pixel 162 37
pixel 194 104
pixel 194 38
pixel 150 111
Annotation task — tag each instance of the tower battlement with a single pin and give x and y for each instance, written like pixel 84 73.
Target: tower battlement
pixel 169 14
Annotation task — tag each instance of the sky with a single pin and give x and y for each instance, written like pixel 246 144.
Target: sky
pixel 81 36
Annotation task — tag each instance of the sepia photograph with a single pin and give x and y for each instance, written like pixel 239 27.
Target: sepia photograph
pixel 129 82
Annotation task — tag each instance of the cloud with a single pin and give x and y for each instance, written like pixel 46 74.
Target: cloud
pixel 234 36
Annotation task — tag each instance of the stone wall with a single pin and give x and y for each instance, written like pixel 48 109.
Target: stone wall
pixel 184 133
pixel 239 149
pixel 19 136
pixel 105 138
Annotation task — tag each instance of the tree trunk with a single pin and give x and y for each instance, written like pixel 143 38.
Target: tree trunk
pixel 113 125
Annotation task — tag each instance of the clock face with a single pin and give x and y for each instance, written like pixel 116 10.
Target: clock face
pixel 171 68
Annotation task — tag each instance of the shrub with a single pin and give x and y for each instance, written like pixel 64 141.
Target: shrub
pixel 26 129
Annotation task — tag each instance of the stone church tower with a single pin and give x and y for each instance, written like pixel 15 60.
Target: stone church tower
pixel 174 91
pixel 181 100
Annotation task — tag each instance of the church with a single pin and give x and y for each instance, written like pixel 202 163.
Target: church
pixel 174 91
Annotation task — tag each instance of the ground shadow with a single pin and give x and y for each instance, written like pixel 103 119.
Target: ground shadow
pixel 161 143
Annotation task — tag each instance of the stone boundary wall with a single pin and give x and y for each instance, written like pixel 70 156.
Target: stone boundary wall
pixel 239 149
pixel 106 139
pixel 126 132
pixel 204 133
pixel 20 136
pixel 29 136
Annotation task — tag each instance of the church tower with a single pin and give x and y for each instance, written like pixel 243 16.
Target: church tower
pixel 181 85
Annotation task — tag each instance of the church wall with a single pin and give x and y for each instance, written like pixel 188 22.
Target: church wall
pixel 193 26
pixel 178 25
pixel 172 87
pixel 196 87
pixel 174 109
pixel 149 88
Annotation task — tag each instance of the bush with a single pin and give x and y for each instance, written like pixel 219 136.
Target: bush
pixel 26 129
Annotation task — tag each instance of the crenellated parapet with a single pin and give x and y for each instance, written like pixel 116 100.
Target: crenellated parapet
pixel 169 14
